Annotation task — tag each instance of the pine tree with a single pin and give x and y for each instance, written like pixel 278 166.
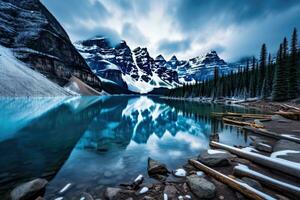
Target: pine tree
pixel 262 67
pixel 280 79
pixel 293 69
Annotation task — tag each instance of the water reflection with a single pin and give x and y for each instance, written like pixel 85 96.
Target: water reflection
pixel 96 142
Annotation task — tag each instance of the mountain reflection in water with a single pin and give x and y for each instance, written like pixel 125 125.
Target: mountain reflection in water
pixel 94 142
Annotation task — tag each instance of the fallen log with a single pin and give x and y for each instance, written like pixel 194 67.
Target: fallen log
pixel 289 115
pixel 243 170
pixel 243 115
pixel 243 188
pixel 274 135
pixel 272 163
pixel 292 107
pixel 240 123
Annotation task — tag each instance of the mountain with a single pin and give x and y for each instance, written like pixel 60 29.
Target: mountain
pixel 36 38
pixel 123 70
pixel 201 67
pixel 17 79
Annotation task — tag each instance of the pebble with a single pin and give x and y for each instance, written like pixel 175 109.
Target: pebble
pixel 144 190
pixel 180 172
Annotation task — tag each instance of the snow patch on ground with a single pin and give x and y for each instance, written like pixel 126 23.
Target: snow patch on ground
pixel 283 153
pixel 213 151
pixel 17 79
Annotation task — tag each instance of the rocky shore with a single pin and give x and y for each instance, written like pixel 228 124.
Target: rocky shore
pixel 238 165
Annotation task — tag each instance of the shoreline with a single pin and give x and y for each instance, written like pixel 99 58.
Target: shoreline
pixel 185 182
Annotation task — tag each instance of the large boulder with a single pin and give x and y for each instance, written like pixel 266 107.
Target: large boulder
pixel 201 187
pixel 214 158
pixel 156 168
pixel 29 190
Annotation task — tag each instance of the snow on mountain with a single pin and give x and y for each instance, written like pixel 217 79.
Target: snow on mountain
pixel 201 67
pixel 37 39
pixel 121 69
pixel 17 79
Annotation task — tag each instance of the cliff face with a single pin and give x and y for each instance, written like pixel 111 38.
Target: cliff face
pixel 38 39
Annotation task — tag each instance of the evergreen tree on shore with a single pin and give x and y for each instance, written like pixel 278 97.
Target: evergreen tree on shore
pixel 280 80
pixel 293 68
pixel 262 78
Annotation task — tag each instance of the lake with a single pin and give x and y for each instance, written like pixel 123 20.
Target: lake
pixel 94 142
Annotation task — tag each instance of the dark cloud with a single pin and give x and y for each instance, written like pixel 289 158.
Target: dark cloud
pixel 171 47
pixel 234 28
pixel 192 14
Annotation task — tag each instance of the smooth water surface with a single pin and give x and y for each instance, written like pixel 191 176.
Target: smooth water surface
pixel 94 142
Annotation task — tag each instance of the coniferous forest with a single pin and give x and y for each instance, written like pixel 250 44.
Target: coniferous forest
pixel 268 77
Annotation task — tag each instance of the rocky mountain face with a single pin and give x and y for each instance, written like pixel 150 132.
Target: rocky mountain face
pixel 138 72
pixel 36 38
pixel 122 69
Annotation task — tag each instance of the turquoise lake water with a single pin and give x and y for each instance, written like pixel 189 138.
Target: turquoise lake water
pixel 94 142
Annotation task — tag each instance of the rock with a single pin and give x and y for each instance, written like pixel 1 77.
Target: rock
pixel 148 198
pixel 29 190
pixel 137 182
pixel 171 192
pixel 215 158
pixel 179 173
pixel 40 198
pixel 155 167
pixel 286 145
pixel 289 150
pixel 261 144
pixel 201 187
pixel 38 39
pixel 143 190
pixel 263 147
pixel 112 193
pixel 86 196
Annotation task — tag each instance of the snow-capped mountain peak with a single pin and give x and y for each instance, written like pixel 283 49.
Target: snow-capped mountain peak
pixel 128 71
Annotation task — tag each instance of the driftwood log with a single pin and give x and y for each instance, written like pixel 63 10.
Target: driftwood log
pixel 291 107
pixel 243 115
pixel 244 171
pixel 241 123
pixel 243 188
pixel 271 163
pixel 274 135
pixel 289 115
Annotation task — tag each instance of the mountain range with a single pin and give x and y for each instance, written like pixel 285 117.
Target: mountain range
pixel 123 70
pixel 43 61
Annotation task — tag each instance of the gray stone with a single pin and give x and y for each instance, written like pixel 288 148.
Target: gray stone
pixel 201 187
pixel 286 145
pixel 110 193
pixel 215 159
pixel 29 190
pixel 171 191
pixel 87 196
pixel 155 167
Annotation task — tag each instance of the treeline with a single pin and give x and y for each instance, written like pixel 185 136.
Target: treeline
pixel 264 77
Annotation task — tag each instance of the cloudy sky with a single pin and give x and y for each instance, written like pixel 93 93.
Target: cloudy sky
pixel 187 28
